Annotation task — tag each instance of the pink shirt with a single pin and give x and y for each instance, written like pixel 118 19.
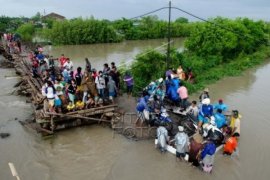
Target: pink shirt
pixel 183 93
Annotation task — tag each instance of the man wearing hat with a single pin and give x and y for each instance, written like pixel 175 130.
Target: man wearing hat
pixel 204 95
pixel 181 143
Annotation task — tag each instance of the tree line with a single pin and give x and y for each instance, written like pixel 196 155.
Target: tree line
pixel 212 50
pixel 91 30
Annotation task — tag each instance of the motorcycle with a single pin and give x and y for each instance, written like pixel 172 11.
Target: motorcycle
pixel 210 131
pixel 161 119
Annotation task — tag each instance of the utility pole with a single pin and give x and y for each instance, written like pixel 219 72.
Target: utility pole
pixel 169 37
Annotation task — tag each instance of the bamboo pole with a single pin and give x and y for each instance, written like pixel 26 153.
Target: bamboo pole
pixel 77 116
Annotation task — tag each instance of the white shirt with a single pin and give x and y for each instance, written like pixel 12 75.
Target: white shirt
pixel 50 94
pixel 68 66
pixel 100 82
pixel 237 125
pixel 193 110
pixel 47 61
pixel 59 89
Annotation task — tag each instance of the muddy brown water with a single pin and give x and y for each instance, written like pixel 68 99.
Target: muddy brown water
pixel 92 152
pixel 98 54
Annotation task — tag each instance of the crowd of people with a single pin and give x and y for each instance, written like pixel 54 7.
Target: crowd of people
pixel 208 118
pixel 13 42
pixel 69 89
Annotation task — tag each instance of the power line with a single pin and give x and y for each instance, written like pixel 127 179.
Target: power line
pixel 218 25
pixel 200 18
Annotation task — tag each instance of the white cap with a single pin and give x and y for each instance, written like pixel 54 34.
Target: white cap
pixel 180 128
pixel 206 101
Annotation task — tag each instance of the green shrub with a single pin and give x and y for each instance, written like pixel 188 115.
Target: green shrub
pixel 26 32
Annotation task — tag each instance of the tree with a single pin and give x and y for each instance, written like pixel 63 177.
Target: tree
pixel 37 17
pixel 26 31
pixel 181 20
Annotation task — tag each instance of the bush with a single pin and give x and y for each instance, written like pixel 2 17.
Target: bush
pixel 26 32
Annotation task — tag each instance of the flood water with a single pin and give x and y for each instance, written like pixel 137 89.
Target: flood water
pixel 98 54
pixel 93 153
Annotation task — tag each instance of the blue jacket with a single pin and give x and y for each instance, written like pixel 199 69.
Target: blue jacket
pixel 172 89
pixel 206 110
pixel 220 120
pixel 142 104
pixel 222 106
pixel 209 149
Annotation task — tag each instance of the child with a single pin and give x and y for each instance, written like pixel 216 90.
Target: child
pixel 70 106
pixel 79 105
pixel 58 104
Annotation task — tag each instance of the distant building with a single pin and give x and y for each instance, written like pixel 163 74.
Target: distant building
pixel 54 16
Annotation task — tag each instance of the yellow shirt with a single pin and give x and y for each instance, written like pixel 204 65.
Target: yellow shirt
pixel 79 104
pixel 235 123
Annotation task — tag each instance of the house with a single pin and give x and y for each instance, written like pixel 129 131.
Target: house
pixel 54 16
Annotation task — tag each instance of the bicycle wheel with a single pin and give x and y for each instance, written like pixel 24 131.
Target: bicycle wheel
pixel 129 132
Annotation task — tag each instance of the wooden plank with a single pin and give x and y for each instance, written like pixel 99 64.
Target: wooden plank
pixel 85 111
pixel 77 117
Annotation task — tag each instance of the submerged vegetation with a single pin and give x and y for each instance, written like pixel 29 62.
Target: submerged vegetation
pixel 213 50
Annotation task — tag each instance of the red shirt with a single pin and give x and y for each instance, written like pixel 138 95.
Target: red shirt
pixel 35 63
pixel 230 145
pixel 62 60
pixel 94 75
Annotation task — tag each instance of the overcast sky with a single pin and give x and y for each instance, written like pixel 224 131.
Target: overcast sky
pixel 115 9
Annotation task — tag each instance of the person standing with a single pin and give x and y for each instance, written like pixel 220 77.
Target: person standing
pixel 194 149
pixel 235 122
pixel 72 91
pixel 181 143
pixel 88 65
pixel 162 138
pixel 128 79
pixel 193 110
pixel 62 61
pixel 183 95
pixel 59 87
pixel 208 156
pixel 112 89
pixel 50 94
pixel 68 65
pixel 231 145
pixel 100 83
pixel 78 77
pixel 106 72
pixel 85 81
pixel 204 95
